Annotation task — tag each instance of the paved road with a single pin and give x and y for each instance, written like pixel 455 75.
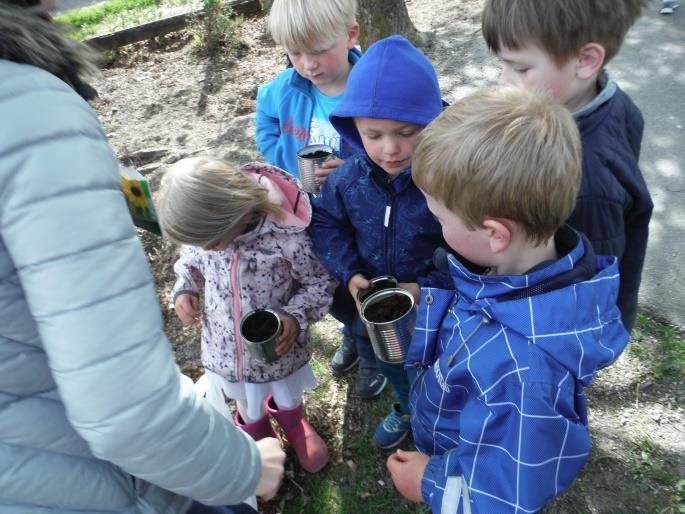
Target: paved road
pixel 651 68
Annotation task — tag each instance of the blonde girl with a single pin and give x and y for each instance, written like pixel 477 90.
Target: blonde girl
pixel 245 247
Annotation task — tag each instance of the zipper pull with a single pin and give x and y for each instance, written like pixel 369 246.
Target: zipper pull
pixel 386 221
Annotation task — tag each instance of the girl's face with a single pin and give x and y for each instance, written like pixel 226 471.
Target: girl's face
pixel 389 143
pixel 326 65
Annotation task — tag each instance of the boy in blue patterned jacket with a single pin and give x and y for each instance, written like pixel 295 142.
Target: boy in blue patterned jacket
pixel 563 46
pixel 498 409
pixel 371 219
pixel 293 109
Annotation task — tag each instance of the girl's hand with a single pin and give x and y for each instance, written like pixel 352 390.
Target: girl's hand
pixel 291 329
pixel 406 470
pixel 356 283
pixel 186 309
pixel 327 167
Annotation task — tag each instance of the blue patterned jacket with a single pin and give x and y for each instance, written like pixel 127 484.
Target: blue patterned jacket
pixel 499 403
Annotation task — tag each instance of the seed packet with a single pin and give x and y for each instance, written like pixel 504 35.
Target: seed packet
pixel 136 190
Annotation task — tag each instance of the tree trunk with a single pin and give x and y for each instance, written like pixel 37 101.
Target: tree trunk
pixel 383 18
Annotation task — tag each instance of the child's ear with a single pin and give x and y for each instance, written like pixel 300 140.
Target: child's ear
pixel 590 61
pixel 499 234
pixel 352 35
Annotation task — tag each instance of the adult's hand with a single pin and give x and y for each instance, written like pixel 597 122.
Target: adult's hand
pixel 273 458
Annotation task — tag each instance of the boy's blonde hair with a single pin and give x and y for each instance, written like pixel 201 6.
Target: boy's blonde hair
pixel 202 198
pixel 502 153
pixel 560 27
pixel 301 25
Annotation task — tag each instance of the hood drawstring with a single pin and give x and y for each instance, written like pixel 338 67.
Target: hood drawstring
pixel 484 320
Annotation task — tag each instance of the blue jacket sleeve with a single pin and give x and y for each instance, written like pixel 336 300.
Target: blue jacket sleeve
pixel 518 450
pixel 267 124
pixel 332 231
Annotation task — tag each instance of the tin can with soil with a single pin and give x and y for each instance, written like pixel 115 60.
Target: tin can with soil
pixel 260 329
pixel 309 159
pixel 377 284
pixel 389 316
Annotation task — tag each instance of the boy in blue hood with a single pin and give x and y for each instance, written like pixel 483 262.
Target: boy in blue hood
pixel 498 408
pixel 371 219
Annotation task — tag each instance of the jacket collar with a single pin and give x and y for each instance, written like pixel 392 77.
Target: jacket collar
pixel 576 263
pixel 28 38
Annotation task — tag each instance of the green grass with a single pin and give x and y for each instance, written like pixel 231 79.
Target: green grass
pixel 666 358
pixel 113 15
pixel 657 467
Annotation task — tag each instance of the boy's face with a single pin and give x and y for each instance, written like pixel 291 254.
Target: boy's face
pixel 389 143
pixel 326 64
pixel 533 69
pixel 473 245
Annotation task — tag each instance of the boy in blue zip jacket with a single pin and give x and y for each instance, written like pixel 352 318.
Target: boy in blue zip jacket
pixel 371 219
pixel 498 409
pixel 293 109
pixel 564 48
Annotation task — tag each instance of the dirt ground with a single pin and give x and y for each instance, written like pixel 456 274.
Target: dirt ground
pixel 159 103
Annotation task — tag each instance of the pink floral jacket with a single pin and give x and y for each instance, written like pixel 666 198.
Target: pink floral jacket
pixel 273 266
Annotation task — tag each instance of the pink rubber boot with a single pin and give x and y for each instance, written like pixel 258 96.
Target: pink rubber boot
pixel 259 429
pixel 310 448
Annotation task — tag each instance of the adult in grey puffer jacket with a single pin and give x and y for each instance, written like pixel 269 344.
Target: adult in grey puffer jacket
pixel 94 414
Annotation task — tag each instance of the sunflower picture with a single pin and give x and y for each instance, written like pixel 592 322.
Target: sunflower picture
pixel 135 196
pixel 138 198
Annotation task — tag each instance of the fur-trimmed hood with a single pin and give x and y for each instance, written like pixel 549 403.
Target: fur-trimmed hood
pixel 27 38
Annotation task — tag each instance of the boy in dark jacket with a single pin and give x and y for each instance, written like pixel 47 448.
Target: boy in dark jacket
pixel 497 409
pixel 371 219
pixel 562 46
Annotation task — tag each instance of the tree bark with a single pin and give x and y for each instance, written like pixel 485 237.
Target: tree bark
pixel 383 18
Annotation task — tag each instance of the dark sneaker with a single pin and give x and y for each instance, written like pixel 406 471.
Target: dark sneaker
pixel 346 357
pixel 370 383
pixel 393 429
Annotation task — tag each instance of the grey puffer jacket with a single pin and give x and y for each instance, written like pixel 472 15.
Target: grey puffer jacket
pixel 93 410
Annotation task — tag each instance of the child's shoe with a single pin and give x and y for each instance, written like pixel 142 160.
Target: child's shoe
pixel 311 450
pixel 345 357
pixel 370 383
pixel 393 429
pixel 259 429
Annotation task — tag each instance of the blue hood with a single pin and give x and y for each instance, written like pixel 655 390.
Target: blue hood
pixel 393 80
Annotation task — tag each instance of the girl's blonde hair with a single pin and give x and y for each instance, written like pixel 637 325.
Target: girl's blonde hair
pixel 202 198
pixel 301 25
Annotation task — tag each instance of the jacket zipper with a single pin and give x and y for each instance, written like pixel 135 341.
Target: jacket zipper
pixel 389 232
pixel 235 313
